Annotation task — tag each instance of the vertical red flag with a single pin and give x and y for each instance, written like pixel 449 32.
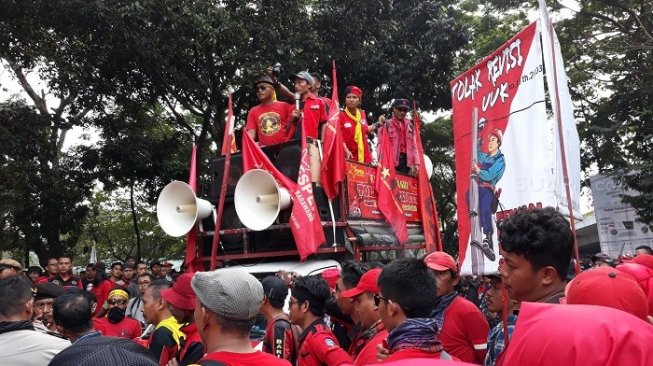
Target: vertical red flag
pixel 229 140
pixel 191 262
pixel 427 207
pixel 333 162
pixel 387 191
pixel 304 220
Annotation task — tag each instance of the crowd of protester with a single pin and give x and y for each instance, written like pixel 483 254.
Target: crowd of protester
pixel 404 312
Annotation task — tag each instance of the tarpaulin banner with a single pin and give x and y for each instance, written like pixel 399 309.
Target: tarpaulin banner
pixel 504 152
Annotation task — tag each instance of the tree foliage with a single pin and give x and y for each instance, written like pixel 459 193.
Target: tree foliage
pixel 41 187
pixel 152 77
pixel 110 226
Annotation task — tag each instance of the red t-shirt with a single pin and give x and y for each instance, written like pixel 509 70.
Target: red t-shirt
pixel 314 115
pixel 464 332
pixel 271 123
pixel 101 292
pixel 319 346
pixel 41 279
pixel 126 328
pixel 348 128
pixel 368 355
pixel 257 358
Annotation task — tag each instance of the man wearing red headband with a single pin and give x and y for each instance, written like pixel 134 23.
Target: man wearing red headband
pixel 355 128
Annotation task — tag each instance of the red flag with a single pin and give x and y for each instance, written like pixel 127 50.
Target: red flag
pixel 229 140
pixel 333 162
pixel 192 262
pixel 304 220
pixel 387 191
pixel 428 210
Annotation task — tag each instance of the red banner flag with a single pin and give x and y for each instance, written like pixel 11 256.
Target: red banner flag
pixel 305 220
pixel 191 261
pixel 229 140
pixel 387 190
pixel 428 209
pixel 333 163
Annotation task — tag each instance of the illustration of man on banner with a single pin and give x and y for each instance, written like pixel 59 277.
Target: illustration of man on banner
pixel 487 170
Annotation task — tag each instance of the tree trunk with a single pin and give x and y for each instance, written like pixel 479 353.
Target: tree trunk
pixel 135 220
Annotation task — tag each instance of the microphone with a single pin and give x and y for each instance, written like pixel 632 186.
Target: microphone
pixel 297 98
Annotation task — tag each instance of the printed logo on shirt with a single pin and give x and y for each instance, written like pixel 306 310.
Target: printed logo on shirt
pixel 329 342
pixel 347 125
pixel 315 107
pixel 269 123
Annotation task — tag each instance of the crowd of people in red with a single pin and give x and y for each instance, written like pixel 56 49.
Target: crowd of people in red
pixel 407 311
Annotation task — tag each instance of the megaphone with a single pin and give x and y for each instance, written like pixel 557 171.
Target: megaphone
pixel 259 198
pixel 428 165
pixel 178 208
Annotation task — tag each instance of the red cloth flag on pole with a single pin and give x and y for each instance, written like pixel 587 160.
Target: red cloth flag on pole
pixel 229 140
pixel 428 210
pixel 387 191
pixel 304 220
pixel 333 162
pixel 191 262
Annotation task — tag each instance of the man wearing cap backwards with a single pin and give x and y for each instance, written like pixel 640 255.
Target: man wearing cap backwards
pixel 44 296
pixel 401 131
pixel 355 128
pixel 9 267
pixel 116 323
pixel 20 344
pixel 374 331
pixel 226 305
pixel 279 337
pixel 496 341
pixel 270 121
pixel 181 302
pixel 167 336
pixel 318 345
pixel 463 329
pixel 489 169
pixel 312 114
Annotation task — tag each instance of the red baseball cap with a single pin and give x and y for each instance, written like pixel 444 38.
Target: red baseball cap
pixel 181 294
pixel 440 261
pixel 331 276
pixel 609 287
pixel 367 283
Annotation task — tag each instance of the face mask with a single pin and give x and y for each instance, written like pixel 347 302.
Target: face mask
pixel 115 315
